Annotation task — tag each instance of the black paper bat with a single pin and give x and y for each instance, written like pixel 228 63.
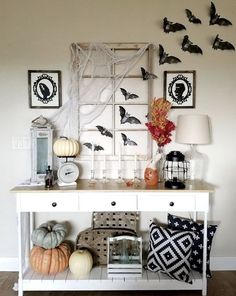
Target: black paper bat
pixel 104 131
pixel 146 75
pixel 187 45
pixel 128 95
pixel 126 118
pixel 191 17
pixel 127 141
pixel 165 58
pixel 169 26
pixel 220 44
pixel 215 18
pixel 96 147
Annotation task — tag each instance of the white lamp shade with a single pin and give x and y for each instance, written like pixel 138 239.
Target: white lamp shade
pixel 193 129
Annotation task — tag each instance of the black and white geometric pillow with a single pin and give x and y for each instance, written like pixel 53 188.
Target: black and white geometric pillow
pixel 169 252
pixel 175 222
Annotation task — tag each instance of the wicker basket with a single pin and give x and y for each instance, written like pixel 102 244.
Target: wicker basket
pixel 124 220
pixel 106 224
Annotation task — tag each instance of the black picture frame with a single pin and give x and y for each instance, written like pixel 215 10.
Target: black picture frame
pixel 179 88
pixel 44 87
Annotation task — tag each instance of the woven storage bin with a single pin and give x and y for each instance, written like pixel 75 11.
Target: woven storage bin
pixel 124 220
pixel 106 224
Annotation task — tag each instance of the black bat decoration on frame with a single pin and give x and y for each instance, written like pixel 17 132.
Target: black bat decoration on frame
pixel 215 18
pixel 223 45
pixel 127 141
pixel 165 58
pixel 146 75
pixel 169 26
pixel 104 131
pixel 187 45
pixel 96 147
pixel 128 95
pixel 192 18
pixel 126 118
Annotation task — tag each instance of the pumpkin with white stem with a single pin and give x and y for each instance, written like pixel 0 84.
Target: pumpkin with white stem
pixel 64 147
pixel 80 263
pixel 49 235
pixel 50 261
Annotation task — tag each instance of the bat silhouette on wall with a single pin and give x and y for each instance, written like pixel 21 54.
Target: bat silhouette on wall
pixel 128 95
pixel 165 58
pixel 96 147
pixel 187 45
pixel 191 17
pixel 127 141
pixel 223 45
pixel 125 117
pixel 169 26
pixel 104 131
pixel 215 18
pixel 146 75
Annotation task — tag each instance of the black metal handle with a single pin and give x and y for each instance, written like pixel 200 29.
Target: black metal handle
pixel 171 204
pixel 113 203
pixel 54 204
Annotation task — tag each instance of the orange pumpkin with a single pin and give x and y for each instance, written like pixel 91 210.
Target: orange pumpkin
pixel 151 176
pixel 50 261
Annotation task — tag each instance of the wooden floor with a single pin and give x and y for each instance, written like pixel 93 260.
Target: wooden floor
pixel 221 284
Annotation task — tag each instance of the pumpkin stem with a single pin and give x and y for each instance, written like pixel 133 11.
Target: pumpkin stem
pixel 49 228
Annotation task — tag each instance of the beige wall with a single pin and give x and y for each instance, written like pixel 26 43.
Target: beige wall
pixel 37 35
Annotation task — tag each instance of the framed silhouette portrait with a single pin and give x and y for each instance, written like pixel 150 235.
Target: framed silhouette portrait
pixel 44 88
pixel 179 88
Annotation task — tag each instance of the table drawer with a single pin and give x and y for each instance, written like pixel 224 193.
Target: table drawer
pixel 107 202
pixel 148 202
pixel 53 202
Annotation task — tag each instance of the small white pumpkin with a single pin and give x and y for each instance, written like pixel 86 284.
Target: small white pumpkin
pixel 64 147
pixel 80 263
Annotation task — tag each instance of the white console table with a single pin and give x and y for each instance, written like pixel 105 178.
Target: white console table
pixel 105 197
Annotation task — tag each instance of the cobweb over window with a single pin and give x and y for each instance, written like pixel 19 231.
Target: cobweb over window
pixel 92 82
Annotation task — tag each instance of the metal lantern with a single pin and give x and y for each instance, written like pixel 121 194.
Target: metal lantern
pixel 41 148
pixel 175 170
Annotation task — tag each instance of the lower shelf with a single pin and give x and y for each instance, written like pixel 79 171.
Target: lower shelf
pixel 98 280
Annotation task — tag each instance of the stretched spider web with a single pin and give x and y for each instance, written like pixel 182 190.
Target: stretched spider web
pixel 98 60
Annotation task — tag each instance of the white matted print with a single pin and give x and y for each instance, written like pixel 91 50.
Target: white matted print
pixel 104 120
pixel 92 85
pixel 131 142
pixel 132 117
pixel 102 144
pixel 132 91
pixel 179 88
pixel 136 69
pixel 44 88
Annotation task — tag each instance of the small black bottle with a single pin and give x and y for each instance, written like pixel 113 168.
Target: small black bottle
pixel 48 178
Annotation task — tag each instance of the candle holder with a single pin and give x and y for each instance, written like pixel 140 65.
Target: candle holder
pixel 104 176
pixel 92 179
pixel 136 179
pixel 119 177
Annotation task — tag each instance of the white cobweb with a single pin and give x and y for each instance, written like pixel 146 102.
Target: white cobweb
pixel 97 61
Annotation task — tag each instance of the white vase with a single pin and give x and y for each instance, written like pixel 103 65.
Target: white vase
pixel 160 160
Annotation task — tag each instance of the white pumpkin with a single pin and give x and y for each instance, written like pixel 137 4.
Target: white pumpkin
pixel 80 263
pixel 64 147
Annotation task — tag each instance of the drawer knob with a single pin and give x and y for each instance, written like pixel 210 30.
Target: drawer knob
pixel 54 204
pixel 113 203
pixel 171 203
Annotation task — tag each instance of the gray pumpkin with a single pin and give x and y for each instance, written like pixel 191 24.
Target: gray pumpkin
pixel 49 235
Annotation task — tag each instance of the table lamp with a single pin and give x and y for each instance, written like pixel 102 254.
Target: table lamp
pixel 194 130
